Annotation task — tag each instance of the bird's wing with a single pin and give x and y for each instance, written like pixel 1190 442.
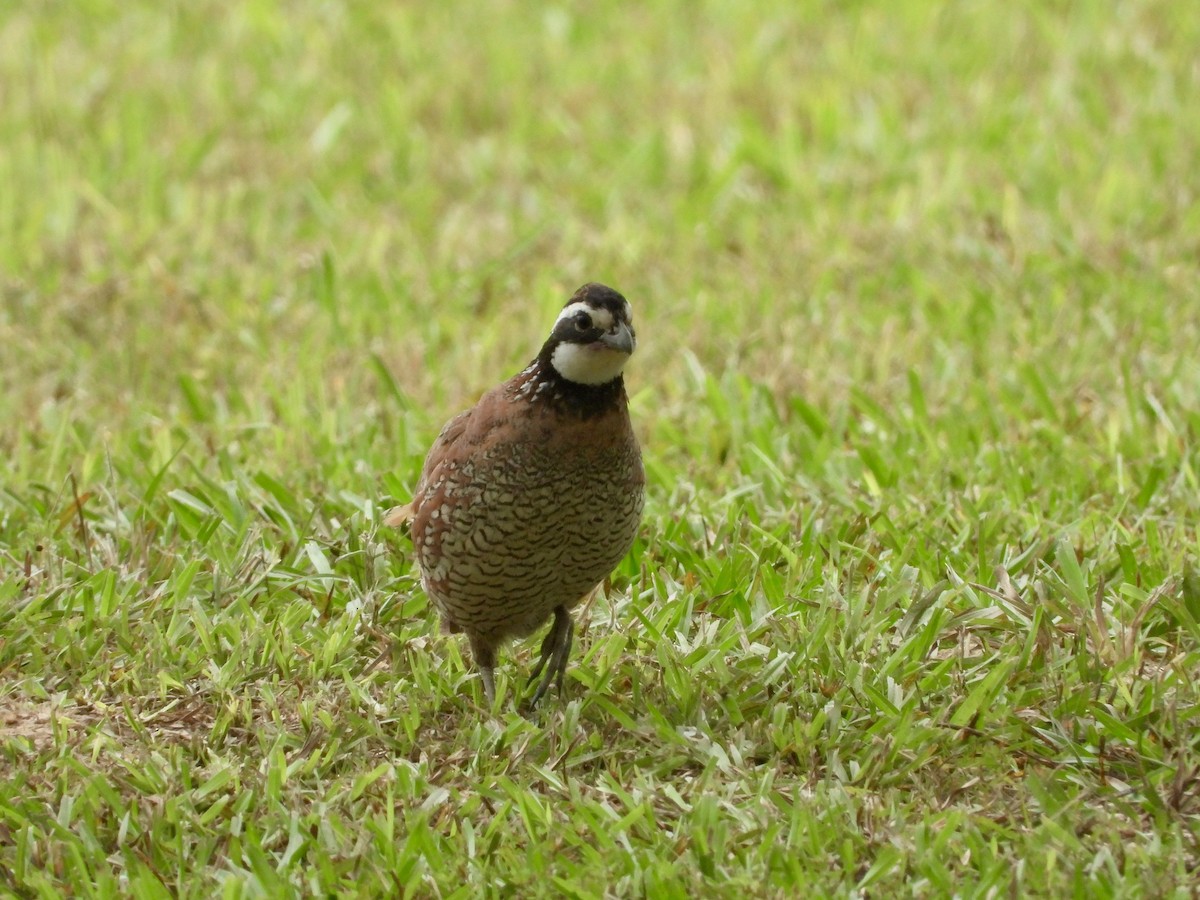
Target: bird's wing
pixel 437 456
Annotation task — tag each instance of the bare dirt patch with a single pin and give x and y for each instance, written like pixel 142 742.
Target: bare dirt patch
pixel 33 722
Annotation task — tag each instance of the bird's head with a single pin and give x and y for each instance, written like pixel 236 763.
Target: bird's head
pixel 593 337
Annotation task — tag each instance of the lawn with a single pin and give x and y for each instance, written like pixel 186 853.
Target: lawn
pixel 915 607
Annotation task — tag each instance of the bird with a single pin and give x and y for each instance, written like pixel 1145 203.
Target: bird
pixel 527 501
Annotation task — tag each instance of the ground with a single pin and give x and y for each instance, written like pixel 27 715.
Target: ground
pixel 914 609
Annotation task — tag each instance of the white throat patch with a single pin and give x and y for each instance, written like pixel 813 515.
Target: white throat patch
pixel 588 363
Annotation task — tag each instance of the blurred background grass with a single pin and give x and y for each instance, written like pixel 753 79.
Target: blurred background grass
pixel 243 202
pixel 306 233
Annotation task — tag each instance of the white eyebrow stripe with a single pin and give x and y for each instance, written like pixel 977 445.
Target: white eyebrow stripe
pixel 602 317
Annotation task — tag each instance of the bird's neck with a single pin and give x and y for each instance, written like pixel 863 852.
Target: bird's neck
pixel 541 383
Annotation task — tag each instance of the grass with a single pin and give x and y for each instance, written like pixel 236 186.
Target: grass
pixel 915 608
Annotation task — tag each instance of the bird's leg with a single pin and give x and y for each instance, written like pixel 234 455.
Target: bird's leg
pixel 556 649
pixel 489 684
pixel 485 658
pixel 547 649
pixel 566 654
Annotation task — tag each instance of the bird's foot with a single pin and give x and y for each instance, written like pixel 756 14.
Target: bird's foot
pixel 556 650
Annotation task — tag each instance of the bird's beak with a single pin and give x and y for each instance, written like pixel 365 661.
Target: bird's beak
pixel 621 339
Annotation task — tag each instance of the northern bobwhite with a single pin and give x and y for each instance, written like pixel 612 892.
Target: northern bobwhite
pixel 528 500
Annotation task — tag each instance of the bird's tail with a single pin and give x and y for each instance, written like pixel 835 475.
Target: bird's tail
pixel 398 515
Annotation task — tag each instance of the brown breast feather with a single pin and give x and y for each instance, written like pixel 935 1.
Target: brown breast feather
pixel 501 414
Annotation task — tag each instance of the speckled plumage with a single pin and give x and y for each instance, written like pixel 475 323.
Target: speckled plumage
pixel 528 500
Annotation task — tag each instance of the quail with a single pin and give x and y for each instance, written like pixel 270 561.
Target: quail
pixel 528 500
